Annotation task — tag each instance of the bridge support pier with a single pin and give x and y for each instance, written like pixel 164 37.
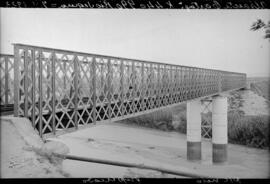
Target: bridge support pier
pixel 194 130
pixel 219 129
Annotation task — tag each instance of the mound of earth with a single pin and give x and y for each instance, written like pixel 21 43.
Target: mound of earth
pixel 250 103
pixel 23 153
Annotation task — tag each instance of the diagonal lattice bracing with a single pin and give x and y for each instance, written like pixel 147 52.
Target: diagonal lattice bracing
pixel 7 80
pixel 59 89
pixel 206 118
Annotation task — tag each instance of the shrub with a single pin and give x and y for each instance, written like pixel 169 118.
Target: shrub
pixel 159 120
pixel 180 122
pixel 248 130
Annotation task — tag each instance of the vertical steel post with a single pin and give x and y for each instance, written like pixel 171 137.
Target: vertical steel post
pixel 150 87
pixel 76 72
pixel 109 85
pixel 16 80
pixel 176 84
pixel 171 88
pixel 6 80
pixel 184 84
pixel 199 75
pixel 206 82
pixel 133 87
pixel 26 73
pixel 194 84
pixel 219 82
pixel 142 87
pixel 197 82
pixel 213 82
pixel 53 92
pixel 201 82
pixel 194 72
pixel 180 85
pixel 102 86
pixel 167 81
pixel 65 78
pixel 40 94
pixel 163 84
pixel 122 87
pixel 48 79
pixel 189 83
pixel 94 91
pixel 158 87
pixel 33 88
pixel 210 82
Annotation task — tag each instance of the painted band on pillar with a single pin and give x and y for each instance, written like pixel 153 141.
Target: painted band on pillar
pixel 194 130
pixel 219 129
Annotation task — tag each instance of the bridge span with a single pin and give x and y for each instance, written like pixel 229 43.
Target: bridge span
pixel 60 90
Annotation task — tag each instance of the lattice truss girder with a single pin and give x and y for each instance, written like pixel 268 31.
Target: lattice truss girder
pixel 6 79
pixel 62 89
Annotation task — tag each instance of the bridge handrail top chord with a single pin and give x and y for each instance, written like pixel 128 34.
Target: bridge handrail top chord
pixel 114 57
pixel 6 55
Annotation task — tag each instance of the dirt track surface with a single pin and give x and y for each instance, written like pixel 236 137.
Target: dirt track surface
pixel 119 142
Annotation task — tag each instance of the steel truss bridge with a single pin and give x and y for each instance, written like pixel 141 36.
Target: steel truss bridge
pixel 60 89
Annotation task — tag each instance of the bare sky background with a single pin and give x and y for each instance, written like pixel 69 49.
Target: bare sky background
pixel 216 39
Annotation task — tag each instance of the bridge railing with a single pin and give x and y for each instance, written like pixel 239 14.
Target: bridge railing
pixel 60 89
pixel 6 80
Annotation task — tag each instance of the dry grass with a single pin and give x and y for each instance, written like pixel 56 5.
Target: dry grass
pixel 261 88
pixel 248 130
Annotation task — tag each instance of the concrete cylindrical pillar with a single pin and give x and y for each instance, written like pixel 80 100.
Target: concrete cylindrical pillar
pixel 194 130
pixel 219 129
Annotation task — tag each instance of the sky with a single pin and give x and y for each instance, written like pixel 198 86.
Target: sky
pixel 215 39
